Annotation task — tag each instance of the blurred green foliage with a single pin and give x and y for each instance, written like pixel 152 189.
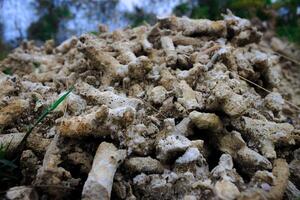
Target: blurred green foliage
pixel 200 12
pixel 248 9
pixel 181 9
pixel 291 32
pixel 140 17
pixel 3 51
pixel 8 169
pixel 7 71
pixel 47 25
pixel 4 48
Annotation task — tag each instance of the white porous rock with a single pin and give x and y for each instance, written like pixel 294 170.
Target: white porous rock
pixel 74 103
pixel 233 144
pixel 187 96
pixel 232 104
pixel 171 146
pixel 225 171
pixel 136 140
pixel 185 127
pixel 108 98
pixel 158 94
pixel 266 133
pixel 100 122
pixel 168 46
pixel 277 44
pixel 190 197
pixel 192 154
pixel 274 101
pixel 100 179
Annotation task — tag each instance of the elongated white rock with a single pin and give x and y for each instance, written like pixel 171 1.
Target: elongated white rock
pixel 100 179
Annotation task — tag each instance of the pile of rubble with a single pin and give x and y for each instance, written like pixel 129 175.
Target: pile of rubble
pixel 185 109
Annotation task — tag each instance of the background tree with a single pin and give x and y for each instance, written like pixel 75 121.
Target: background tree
pixel 4 48
pixel 139 17
pixel 51 14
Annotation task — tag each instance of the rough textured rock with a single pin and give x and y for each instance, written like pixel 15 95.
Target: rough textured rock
pixel 145 165
pixel 180 102
pixel 172 146
pixel 266 133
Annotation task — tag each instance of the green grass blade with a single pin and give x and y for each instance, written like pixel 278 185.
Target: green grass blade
pixel 7 163
pixel 61 99
pixel 53 106
pixel 43 115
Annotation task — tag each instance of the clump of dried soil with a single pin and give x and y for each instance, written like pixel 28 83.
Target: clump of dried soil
pixel 170 111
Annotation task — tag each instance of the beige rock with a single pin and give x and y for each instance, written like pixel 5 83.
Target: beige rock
pixel 138 68
pixel 185 127
pixel 12 111
pixel 193 27
pixel 281 173
pixel 158 94
pixel 208 121
pixel 100 122
pixel 233 144
pixel 277 44
pixel 173 96
pixel 65 46
pixel 167 80
pixel 74 103
pixel 168 46
pixel 232 104
pixel 50 173
pixel 226 190
pixel 105 62
pixel 37 142
pixel 186 96
pixel 8 85
pixel 137 141
pixel 189 197
pixel 143 39
pixel 108 98
pixel 146 165
pixel 274 101
pixel 29 164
